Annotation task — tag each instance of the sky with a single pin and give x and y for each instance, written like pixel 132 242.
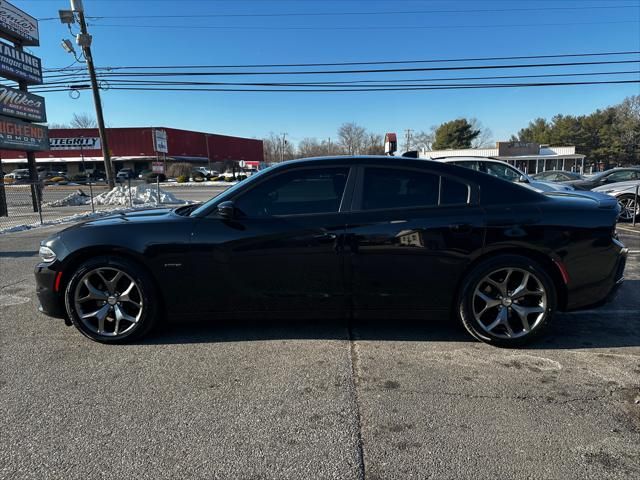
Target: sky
pixel 338 31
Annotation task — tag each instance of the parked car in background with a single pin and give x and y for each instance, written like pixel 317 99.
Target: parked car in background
pixel 53 176
pixel 615 175
pixel 125 174
pixel 503 170
pixel 557 176
pixel 20 175
pixel 625 193
pixel 345 237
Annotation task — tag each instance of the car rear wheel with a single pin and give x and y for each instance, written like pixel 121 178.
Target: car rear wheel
pixel 110 300
pixel 507 301
pixel 627 206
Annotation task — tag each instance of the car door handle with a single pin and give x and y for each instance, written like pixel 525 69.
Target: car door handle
pixel 461 227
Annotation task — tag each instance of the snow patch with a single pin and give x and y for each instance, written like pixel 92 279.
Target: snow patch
pixel 75 199
pixel 141 194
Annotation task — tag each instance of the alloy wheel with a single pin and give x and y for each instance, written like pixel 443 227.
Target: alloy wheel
pixel 108 302
pixel 627 207
pixel 509 303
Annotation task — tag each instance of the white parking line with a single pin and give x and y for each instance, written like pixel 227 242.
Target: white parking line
pixel 627 230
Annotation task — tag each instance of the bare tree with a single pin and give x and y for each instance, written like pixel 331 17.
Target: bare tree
pixel 58 125
pixel 352 138
pixel 423 140
pixel 485 138
pixel 83 120
pixel 374 144
pixel 276 149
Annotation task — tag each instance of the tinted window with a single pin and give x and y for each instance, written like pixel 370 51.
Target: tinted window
pixel 392 188
pixel 453 192
pixel 504 172
pixel 473 165
pixel 622 176
pixel 294 193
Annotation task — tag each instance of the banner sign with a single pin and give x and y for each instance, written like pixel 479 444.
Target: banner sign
pixel 75 143
pixel 17 65
pixel 19 135
pixel 18 25
pixel 27 106
pixel 160 141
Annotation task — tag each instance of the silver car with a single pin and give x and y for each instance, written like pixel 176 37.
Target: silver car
pixel 625 193
pixel 505 171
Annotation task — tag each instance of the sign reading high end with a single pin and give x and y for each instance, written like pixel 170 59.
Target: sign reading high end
pixel 18 25
pixel 19 135
pixel 27 106
pixel 160 141
pixel 18 65
pixel 75 143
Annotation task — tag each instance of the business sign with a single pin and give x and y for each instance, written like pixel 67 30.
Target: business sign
pixel 27 106
pixel 160 141
pixel 17 26
pixel 19 135
pixel 157 167
pixel 75 143
pixel 18 65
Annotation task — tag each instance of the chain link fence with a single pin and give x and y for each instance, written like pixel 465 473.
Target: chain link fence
pixel 29 204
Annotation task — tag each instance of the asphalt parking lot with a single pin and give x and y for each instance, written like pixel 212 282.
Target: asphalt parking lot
pixel 316 400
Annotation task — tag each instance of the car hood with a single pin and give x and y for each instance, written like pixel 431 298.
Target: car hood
pixel 613 188
pixel 595 199
pixel 542 186
pixel 137 216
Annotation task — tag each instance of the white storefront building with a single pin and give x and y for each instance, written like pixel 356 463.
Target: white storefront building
pixel 528 157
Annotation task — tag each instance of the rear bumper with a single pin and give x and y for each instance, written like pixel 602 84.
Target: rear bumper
pixel 51 301
pixel 605 291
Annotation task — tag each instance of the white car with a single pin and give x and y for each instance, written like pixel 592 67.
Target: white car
pixel 625 193
pixel 505 171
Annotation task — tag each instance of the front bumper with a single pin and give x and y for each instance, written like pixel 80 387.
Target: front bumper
pixel 51 301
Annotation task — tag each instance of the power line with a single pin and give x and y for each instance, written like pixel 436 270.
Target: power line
pixel 371 27
pixel 388 82
pixel 375 62
pixel 332 14
pixel 355 71
pixel 367 89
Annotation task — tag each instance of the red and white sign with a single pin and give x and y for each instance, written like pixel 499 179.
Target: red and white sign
pixel 157 167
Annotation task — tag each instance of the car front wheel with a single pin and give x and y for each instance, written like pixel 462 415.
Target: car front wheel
pixel 507 301
pixel 111 300
pixel 628 205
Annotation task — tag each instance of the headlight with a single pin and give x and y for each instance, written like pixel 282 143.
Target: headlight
pixel 47 254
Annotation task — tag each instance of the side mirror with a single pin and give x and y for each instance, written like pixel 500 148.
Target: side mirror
pixel 523 179
pixel 226 210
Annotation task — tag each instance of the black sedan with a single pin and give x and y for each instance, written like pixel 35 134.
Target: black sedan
pixel 607 177
pixel 335 237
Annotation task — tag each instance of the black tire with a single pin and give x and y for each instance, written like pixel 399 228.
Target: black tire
pixel 147 298
pixel 473 281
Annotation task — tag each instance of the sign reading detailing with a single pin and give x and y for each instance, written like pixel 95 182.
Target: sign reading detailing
pixel 18 25
pixel 22 105
pixel 75 143
pixel 19 135
pixel 17 65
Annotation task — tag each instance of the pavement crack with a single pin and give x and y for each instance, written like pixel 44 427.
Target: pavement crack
pixel 355 365
pixel 14 283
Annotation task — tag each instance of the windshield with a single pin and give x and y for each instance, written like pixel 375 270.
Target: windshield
pixel 207 205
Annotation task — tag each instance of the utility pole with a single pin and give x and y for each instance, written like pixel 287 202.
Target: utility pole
pixel 84 41
pixel 284 142
pixel 206 139
pixel 407 145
